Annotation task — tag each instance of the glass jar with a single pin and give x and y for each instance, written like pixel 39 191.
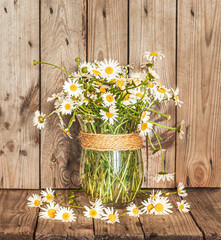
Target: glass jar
pixel 112 176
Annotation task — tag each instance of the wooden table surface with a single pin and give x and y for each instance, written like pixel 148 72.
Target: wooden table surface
pixel 17 221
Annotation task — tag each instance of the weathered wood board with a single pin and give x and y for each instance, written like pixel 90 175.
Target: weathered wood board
pixel 19 94
pixel 152 27
pixel 61 43
pixel 198 75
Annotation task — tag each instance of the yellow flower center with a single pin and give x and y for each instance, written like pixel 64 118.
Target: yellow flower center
pixel 113 80
pixel 120 83
pixel 36 202
pixel 109 70
pixel 109 98
pixel 96 72
pixel 150 85
pixel 93 212
pixel 99 84
pixel 149 207
pixel 49 197
pixel 144 115
pixel 102 90
pixel 73 87
pixel 161 90
pixel 67 106
pixel 176 97
pixel 181 207
pixel 179 191
pixel 51 213
pixel 40 119
pixel 126 97
pixel 140 95
pixel 66 216
pixel 135 211
pixel 112 217
pixel 144 126
pixel 159 207
pixel 154 197
pixel 109 115
pixel 86 100
pixel 153 54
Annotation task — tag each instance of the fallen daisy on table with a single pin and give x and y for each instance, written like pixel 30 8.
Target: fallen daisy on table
pixel 180 190
pixel 65 214
pixel 148 206
pixel 97 203
pixel 49 211
pixel 183 206
pixel 164 176
pixel 133 210
pixel 161 206
pixel 95 212
pixel 156 195
pixel 47 195
pixel 34 201
pixel 110 216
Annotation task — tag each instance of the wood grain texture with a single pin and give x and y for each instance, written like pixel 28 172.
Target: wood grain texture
pixel 206 210
pixel 128 228
pixel 56 230
pixel 19 94
pixel 107 30
pixel 199 58
pixel 61 41
pixel 17 221
pixel 152 27
pixel 173 226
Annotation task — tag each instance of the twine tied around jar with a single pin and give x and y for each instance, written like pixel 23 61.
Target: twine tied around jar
pixel 111 142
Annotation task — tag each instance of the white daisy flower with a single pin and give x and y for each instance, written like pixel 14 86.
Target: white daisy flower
pixel 108 99
pixel 84 67
pixel 161 93
pixel 129 99
pixel 145 128
pixel 152 56
pixel 176 98
pixel 180 190
pixel 183 206
pixel 34 201
pixel 145 116
pixel 110 116
pixel 180 129
pixel 148 206
pixel 54 96
pixel 65 214
pixel 97 203
pixel 156 195
pixel 154 74
pixel 161 206
pixel 39 120
pixel 110 216
pixel 110 69
pixel 121 82
pixel 47 195
pixel 66 106
pixel 93 212
pixel 49 211
pixel 72 88
pixel 164 177
pixel 133 210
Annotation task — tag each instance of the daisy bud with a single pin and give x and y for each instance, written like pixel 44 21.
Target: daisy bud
pixel 40 119
pixel 84 69
pixel 167 116
pixel 35 62
pixel 77 60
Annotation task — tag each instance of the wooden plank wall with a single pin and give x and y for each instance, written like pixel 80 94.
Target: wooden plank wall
pixel 189 34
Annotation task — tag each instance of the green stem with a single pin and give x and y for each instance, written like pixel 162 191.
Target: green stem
pixel 163 162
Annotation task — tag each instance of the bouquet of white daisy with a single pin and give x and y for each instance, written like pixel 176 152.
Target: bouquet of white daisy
pixel 114 110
